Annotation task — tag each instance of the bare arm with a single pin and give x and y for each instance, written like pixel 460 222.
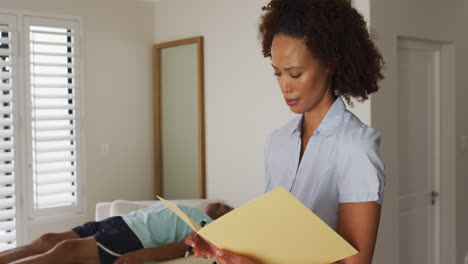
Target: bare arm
pixel 172 250
pixel 358 224
pixel 169 251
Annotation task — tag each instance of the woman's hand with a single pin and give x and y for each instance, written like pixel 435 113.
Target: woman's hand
pixel 201 247
pixel 130 258
pixel 205 249
pixel 227 257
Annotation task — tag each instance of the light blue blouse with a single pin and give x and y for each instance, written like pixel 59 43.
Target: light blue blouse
pixel 341 163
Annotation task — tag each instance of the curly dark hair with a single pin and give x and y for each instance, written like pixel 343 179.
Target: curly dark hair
pixel 217 209
pixel 335 33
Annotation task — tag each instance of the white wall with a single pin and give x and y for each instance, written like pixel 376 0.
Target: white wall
pixel 243 102
pixel 118 36
pixel 432 20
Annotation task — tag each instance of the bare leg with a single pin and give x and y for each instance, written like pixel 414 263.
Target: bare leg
pixel 83 250
pixel 43 244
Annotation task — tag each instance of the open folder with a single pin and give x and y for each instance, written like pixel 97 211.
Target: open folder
pixel 275 228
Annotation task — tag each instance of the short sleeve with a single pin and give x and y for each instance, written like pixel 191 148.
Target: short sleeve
pixel 266 155
pixel 361 176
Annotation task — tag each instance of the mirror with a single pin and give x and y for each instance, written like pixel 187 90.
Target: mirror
pixel 179 119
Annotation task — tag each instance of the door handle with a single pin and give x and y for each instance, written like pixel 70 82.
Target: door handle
pixel 434 196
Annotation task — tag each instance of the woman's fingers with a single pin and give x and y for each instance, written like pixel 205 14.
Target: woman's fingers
pixel 204 248
pixel 189 239
pixel 200 247
pixel 227 257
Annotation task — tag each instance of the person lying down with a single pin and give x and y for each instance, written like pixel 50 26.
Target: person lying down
pixel 152 233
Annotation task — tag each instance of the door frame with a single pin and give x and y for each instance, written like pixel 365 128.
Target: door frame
pixel 445 145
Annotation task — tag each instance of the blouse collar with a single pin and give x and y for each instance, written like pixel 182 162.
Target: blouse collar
pixel 329 122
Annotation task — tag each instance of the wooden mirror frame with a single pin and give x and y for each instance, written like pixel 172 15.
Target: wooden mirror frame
pixel 158 119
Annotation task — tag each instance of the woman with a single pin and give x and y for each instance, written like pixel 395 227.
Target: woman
pixel 326 157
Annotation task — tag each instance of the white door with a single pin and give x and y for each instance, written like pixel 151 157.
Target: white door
pixel 419 68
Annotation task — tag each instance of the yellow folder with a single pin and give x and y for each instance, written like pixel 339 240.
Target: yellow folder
pixel 275 228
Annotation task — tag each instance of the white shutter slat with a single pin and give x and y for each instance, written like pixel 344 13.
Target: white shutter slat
pixel 8 237
pixel 5 75
pixel 46 64
pixel 56 179
pixel 55 159
pixel 53 75
pixel 51 32
pixel 6 191
pixel 7 214
pixel 7 203
pixel 7 246
pixel 4 63
pixel 54 96
pixel 54 85
pixel 6 121
pixel 6 98
pixel 6 168
pixel 4 110
pixel 5 86
pixel 57 200
pixel 6 179
pixel 7 226
pixel 53 54
pixel 6 156
pixel 52 43
pixel 53 117
pixel 55 149
pixel 6 145
pixel 56 170
pixel 6 133
pixel 48 189
pixel 55 128
pixel 51 107
pixel 51 139
pixel 5 52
